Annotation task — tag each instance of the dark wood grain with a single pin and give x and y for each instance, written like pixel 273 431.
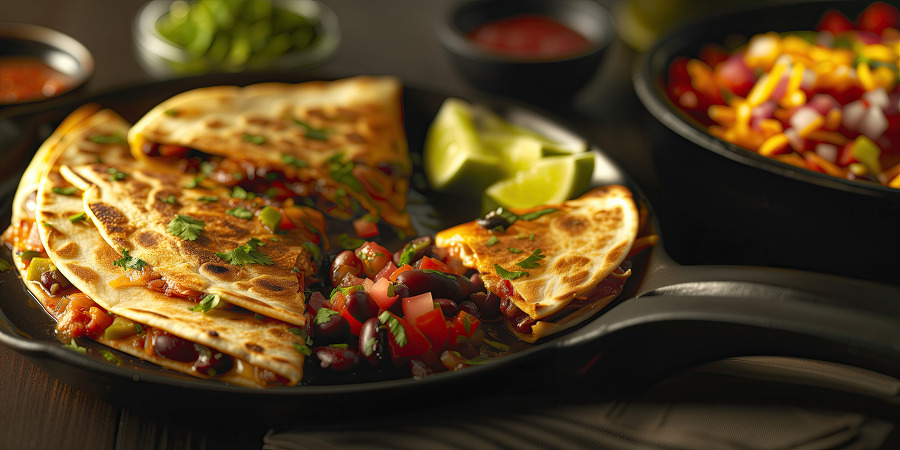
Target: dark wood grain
pixel 39 411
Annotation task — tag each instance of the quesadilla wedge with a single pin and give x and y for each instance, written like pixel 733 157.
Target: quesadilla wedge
pixel 341 142
pixel 201 240
pixel 71 271
pixel 552 266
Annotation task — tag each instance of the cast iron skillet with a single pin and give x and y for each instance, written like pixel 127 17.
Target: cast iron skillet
pixel 726 204
pixel 669 317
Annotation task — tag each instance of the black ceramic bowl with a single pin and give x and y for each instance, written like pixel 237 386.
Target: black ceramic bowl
pixel 723 204
pixel 540 80
pixel 59 51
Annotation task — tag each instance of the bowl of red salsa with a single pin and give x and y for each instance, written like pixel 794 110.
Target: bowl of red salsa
pixel 38 63
pixel 534 50
pixel 775 132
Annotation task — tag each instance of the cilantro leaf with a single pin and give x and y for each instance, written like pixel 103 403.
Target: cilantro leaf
pixel 507 275
pixel 532 261
pixel 394 327
pixel 72 345
pixel 77 217
pixel 109 356
pixel 170 199
pixel 254 139
pixel 514 250
pixel 313 250
pixel 129 262
pixel 293 161
pixel 240 212
pixel 208 302
pixel 492 240
pixel 303 349
pixel 185 227
pixel 536 214
pixel 241 193
pixel 319 134
pixel 208 199
pixel 323 315
pixel 116 174
pixel 247 254
pixel 64 191
pixel 4 265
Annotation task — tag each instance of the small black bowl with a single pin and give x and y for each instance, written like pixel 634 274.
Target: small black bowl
pixel 542 81
pixel 723 204
pixel 59 51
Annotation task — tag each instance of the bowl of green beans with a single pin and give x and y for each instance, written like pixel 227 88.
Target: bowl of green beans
pixel 179 38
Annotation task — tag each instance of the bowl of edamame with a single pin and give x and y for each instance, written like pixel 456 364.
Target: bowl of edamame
pixel 179 38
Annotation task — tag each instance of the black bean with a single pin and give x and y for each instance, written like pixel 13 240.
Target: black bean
pixel 441 285
pixel 337 358
pixel 493 220
pixel 174 347
pixel 469 307
pixel 334 330
pixel 477 282
pixel 488 305
pixel 448 307
pixel 417 248
pixel 361 305
pixel 373 342
pixel 211 362
pixel 345 263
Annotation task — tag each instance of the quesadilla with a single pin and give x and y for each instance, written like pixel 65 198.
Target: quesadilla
pixel 77 277
pixel 552 266
pixel 340 142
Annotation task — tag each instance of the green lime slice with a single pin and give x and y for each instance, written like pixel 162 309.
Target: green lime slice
pixel 551 180
pixel 454 158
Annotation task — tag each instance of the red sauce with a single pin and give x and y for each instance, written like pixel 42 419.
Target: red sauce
pixel 27 78
pixel 530 36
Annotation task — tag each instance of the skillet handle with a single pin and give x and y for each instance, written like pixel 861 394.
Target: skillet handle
pixel 645 339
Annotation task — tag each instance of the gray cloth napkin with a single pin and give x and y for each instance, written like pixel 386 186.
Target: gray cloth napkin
pixel 724 405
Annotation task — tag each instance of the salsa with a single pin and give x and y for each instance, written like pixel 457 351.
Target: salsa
pixel 26 78
pixel 531 36
pixel 824 100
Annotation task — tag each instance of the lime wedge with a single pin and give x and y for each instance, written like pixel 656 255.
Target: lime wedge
pixel 454 158
pixel 551 180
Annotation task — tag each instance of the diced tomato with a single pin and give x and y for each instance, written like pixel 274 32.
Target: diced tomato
pixel 306 218
pixel 462 326
pixel 380 293
pixel 337 301
pixel 433 326
pixel 374 257
pixel 734 75
pixel 355 325
pixel 365 226
pixel 378 184
pixel 400 270
pixel 171 150
pixel 417 305
pixel 429 263
pixel 316 301
pixel 877 17
pixel 387 271
pixel 835 22
pixel 34 238
pixel 99 322
pixel 416 342
pixel 74 320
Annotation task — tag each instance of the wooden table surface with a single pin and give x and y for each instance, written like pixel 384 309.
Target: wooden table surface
pixel 379 37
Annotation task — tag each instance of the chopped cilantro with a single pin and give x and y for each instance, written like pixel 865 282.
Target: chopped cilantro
pixel 492 240
pixel 116 174
pixel 107 139
pixel 514 250
pixel 536 214
pixel 293 161
pixel 498 345
pixel 319 134
pixel 394 327
pixel 246 254
pixel 27 255
pixel 302 348
pixel 241 193
pixel 532 261
pixel 313 249
pixel 170 199
pixel 72 345
pixel 64 191
pixel 254 139
pixel 109 356
pixel 323 315
pixel 240 212
pixel 347 242
pixel 77 217
pixel 129 262
pixel 185 227
pixel 369 346
pixel 4 265
pixel 207 303
pixel 208 199
pixel 341 171
pixel 507 275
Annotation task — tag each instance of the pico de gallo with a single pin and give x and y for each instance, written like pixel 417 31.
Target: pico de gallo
pixel 827 99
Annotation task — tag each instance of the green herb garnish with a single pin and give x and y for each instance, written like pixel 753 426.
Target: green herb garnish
pixel 241 193
pixel 208 199
pixel 64 191
pixel 323 315
pixel 27 255
pixel 254 139
pixel 302 348
pixel 4 265
pixel 240 212
pixel 507 275
pixel 116 174
pixel 185 227
pixel 347 242
pixel 394 326
pixel 536 214
pixel 77 217
pixel 293 161
pixel 319 134
pixel 208 302
pixel 109 356
pixel 313 250
pixel 514 250
pixel 247 254
pixel 492 240
pixel 72 345
pixel 532 261
pixel 170 199
pixel 341 171
pixel 129 262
